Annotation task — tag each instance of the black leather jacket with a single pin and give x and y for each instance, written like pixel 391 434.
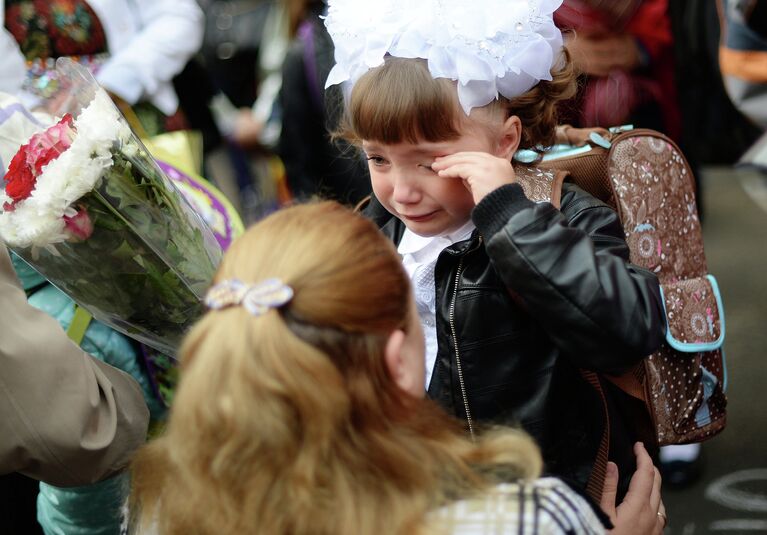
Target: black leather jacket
pixel 535 294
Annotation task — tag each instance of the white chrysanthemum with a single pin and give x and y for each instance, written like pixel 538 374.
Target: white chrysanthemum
pixel 490 47
pixel 38 220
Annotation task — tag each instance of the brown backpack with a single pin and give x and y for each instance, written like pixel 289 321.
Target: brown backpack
pixel 646 179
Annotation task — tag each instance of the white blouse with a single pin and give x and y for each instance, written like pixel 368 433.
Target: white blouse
pixel 419 257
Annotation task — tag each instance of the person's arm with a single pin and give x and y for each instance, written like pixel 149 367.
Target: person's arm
pixel 569 267
pixel 12 68
pixel 571 270
pixel 65 418
pixel 171 33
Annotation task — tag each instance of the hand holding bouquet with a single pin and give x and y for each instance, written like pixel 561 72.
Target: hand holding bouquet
pixel 87 206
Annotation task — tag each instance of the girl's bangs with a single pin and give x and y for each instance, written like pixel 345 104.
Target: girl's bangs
pixel 400 102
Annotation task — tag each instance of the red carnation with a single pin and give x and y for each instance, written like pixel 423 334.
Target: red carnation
pixel 20 179
pixel 45 156
pixel 29 161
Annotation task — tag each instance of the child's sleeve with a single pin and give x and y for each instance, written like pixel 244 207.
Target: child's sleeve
pixel 571 271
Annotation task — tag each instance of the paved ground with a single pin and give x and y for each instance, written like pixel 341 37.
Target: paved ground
pixel 732 495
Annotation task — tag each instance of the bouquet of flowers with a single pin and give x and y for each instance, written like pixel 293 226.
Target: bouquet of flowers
pixel 88 207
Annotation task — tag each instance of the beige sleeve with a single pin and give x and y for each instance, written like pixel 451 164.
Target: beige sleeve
pixel 65 417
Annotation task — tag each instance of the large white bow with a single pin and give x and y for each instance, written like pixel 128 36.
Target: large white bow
pixel 490 47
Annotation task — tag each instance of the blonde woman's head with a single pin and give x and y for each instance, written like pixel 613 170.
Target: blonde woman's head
pixel 350 295
pixel 309 418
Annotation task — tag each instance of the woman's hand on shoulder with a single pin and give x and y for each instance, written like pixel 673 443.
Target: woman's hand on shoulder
pixel 642 511
pixel 481 172
pixel 578 137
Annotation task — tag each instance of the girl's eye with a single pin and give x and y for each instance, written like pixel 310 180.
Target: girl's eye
pixel 376 160
pixel 427 166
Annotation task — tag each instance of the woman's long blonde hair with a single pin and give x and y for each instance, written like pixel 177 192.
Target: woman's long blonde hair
pixel 290 423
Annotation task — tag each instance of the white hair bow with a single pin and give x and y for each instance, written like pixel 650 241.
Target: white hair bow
pixel 490 47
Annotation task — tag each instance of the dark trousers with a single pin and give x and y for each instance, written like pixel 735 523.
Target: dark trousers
pixel 18 509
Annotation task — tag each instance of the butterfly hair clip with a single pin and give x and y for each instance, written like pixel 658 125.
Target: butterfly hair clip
pixel 256 298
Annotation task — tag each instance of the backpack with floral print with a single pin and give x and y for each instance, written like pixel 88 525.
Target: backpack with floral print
pixel 643 175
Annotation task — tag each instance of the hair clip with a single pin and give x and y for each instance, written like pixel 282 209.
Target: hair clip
pixel 256 298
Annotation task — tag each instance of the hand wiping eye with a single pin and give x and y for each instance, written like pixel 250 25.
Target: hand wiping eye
pixel 481 172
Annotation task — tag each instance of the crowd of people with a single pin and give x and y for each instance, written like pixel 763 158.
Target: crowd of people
pixel 397 344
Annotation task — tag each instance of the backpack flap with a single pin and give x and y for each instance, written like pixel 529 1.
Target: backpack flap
pixel 694 314
pixel 687 376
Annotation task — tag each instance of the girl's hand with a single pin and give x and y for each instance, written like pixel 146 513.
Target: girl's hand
pixel 481 172
pixel 642 511
pixel 577 137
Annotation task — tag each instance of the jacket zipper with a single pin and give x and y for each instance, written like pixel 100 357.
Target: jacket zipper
pixel 459 368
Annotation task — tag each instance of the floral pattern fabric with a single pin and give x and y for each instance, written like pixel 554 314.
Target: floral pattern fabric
pixel 54 28
pixel 655 196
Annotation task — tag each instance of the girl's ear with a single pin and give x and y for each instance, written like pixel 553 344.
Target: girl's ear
pixel 395 360
pixel 510 138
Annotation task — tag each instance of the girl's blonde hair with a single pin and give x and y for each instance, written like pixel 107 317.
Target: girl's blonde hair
pixel 401 102
pixel 290 422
